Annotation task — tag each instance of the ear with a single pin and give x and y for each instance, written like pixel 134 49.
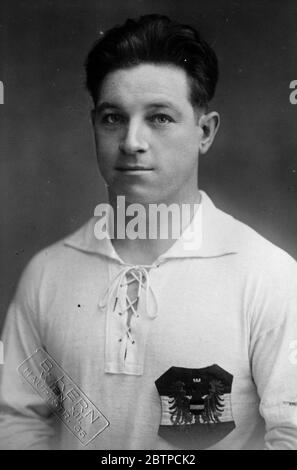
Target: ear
pixel 209 124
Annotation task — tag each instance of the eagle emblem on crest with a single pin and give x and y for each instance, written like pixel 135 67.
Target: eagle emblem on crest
pixel 208 408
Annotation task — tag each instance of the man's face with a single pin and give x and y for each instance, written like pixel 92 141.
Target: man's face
pixel 147 136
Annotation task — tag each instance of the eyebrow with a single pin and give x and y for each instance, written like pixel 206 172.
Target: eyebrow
pixel 155 105
pixel 105 105
pixel 165 104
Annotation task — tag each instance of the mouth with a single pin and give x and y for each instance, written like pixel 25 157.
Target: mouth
pixel 137 169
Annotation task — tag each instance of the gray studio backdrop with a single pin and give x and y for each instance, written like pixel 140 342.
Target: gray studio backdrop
pixel 49 179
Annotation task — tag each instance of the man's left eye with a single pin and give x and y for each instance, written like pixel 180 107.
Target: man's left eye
pixel 161 119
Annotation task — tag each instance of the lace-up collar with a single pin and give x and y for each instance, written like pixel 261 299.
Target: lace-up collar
pixel 140 275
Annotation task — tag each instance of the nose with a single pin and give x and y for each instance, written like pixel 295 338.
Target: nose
pixel 135 139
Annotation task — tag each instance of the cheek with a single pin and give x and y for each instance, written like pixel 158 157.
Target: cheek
pixel 181 155
pixel 183 139
pixel 106 148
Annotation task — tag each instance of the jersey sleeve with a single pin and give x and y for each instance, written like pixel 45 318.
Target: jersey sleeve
pixel 274 351
pixel 25 418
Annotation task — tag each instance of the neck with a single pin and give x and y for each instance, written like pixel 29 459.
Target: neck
pixel 142 232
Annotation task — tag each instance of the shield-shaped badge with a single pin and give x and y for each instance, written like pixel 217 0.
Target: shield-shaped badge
pixel 196 406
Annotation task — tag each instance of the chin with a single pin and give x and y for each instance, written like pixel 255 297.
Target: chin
pixel 139 196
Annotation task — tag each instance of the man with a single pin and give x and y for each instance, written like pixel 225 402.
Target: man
pixel 179 346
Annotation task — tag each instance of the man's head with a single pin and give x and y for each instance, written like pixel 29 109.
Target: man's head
pixel 151 81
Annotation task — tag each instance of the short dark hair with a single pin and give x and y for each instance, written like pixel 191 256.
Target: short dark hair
pixel 154 39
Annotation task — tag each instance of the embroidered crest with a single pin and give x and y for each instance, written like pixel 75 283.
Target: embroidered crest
pixel 196 405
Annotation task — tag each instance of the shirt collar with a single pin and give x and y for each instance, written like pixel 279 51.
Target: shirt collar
pixel 212 233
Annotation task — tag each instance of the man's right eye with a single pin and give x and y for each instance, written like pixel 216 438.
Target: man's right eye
pixel 111 118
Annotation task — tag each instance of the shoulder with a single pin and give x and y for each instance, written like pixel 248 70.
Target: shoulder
pixel 257 252
pixel 268 274
pixel 254 251
pixel 55 260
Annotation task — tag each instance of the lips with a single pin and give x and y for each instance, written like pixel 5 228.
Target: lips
pixel 134 168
